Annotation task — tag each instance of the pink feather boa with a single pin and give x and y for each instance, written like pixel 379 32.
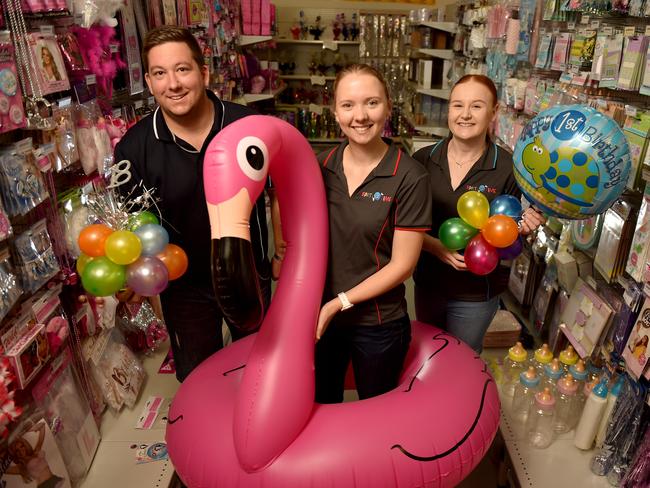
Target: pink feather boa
pixel 95 45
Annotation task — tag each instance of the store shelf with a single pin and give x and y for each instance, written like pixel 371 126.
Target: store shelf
pixel 311 78
pixel 438 53
pixel 321 42
pixel 561 464
pixel 433 130
pixel 435 92
pixel 258 97
pixel 443 26
pixel 249 40
pixel 115 461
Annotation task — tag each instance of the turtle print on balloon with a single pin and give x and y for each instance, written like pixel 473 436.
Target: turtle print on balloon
pixel 566 175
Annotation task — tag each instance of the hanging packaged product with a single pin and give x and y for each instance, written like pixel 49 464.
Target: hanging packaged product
pixel 10 290
pixel 12 115
pixel 21 182
pixel 33 455
pixel 65 407
pixel 6 230
pixel 46 58
pixel 35 258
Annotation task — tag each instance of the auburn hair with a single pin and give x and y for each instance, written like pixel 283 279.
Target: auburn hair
pixel 483 80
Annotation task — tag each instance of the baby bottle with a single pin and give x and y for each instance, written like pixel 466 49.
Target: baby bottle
pixel 567 388
pixel 513 366
pixel 552 373
pixel 579 373
pixel 591 416
pixel 539 426
pixel 541 358
pixel 524 394
pixel 568 358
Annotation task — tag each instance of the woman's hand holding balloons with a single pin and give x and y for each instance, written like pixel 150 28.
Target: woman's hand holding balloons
pixel 438 249
pixel 531 219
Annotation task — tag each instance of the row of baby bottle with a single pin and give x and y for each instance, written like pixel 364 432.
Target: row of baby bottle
pixel 551 396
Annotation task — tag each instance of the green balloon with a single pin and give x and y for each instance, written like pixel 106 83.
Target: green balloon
pixel 142 218
pixel 102 277
pixel 455 233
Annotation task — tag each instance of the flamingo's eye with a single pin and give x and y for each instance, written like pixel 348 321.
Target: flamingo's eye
pixel 253 157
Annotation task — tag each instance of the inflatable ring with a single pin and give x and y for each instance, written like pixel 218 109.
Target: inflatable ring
pixel 246 416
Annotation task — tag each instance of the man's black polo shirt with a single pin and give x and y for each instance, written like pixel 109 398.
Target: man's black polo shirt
pixel 492 175
pixel 175 170
pixel 395 195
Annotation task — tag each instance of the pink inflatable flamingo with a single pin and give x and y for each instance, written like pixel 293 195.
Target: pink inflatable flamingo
pixel 246 417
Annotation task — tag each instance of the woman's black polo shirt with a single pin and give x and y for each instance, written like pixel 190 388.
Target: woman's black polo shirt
pixel 395 195
pixel 492 175
pixel 174 169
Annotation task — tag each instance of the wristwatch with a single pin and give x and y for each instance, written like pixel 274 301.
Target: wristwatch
pixel 344 300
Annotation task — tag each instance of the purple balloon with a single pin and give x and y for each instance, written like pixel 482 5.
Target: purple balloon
pixel 148 276
pixel 512 251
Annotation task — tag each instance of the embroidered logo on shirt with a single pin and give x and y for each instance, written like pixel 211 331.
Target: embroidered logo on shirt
pixel 481 188
pixel 376 196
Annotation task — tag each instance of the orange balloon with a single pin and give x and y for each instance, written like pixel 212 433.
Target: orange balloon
pixel 93 238
pixel 500 231
pixel 175 260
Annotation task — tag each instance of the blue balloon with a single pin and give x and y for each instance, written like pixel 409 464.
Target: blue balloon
pixel 154 238
pixel 506 205
pixel 512 251
pixel 572 161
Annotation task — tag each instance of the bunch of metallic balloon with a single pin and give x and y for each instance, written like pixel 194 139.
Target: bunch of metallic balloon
pixel 486 231
pixel 139 257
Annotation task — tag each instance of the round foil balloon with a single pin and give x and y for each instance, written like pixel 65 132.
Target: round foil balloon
pixel 147 276
pixel 572 161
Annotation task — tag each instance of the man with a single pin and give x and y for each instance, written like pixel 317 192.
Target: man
pixel 166 151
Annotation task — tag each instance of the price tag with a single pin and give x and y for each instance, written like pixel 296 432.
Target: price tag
pixel 556 31
pixel 331 45
pixel 595 24
pixel 91 80
pixel 114 48
pixel 117 112
pixel 316 108
pixel 65 102
pixel 608 31
pixel 151 101
pixel 575 69
pixel 647 30
pixel 630 110
pixel 47 30
pixel 571 25
pixel 317 80
pixel 584 19
pixel 590 33
pixel 138 104
pixel 629 31
pixel 601 102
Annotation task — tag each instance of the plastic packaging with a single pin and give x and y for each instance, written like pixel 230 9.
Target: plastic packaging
pixel 605 421
pixel 591 416
pixel 513 366
pixel 539 426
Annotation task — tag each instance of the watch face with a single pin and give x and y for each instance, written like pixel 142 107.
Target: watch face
pixel 586 232
pixel 8 82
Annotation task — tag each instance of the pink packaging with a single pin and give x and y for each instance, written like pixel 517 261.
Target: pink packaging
pixel 265 14
pixel 247 17
pixel 29 354
pixel 257 17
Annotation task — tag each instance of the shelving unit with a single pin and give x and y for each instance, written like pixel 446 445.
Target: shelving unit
pixel 258 97
pixel 435 92
pixel 315 79
pixel 438 53
pixel 324 42
pixel 450 27
pixel 432 130
pixel 115 461
pixel 250 40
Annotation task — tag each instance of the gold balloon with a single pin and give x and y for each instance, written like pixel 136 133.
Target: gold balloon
pixel 473 208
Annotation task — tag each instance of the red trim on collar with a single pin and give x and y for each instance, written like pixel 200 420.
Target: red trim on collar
pixel 399 156
pixel 328 157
